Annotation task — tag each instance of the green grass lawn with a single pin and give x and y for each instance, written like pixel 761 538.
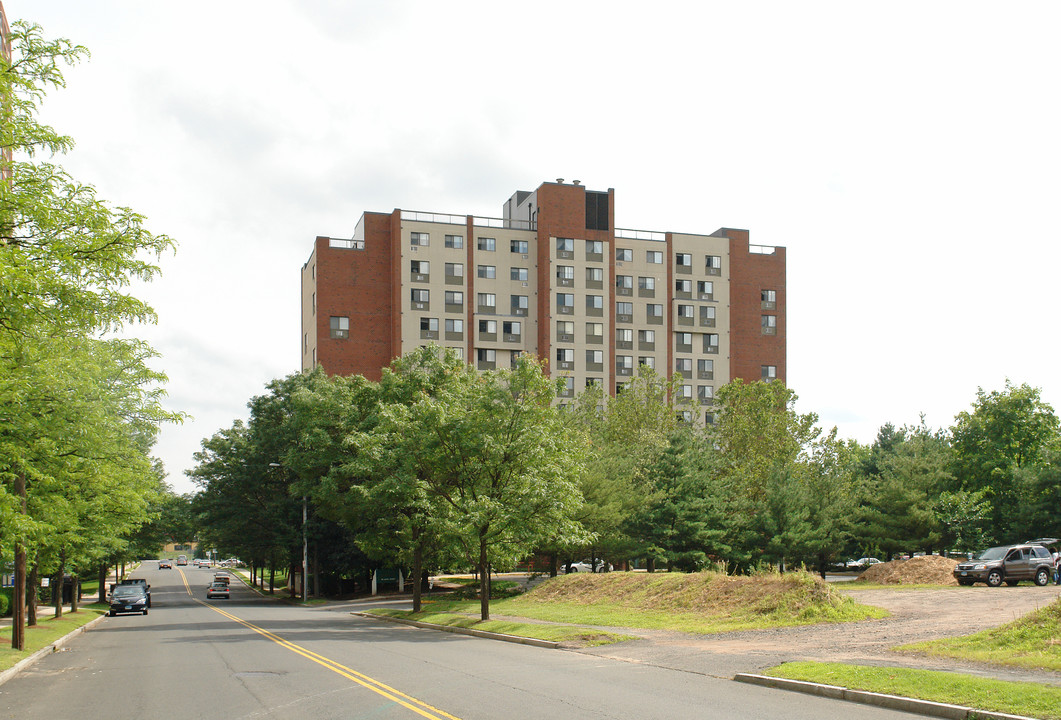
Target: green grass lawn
pixel 1027 699
pixel 583 637
pixel 47 631
pixel 1033 641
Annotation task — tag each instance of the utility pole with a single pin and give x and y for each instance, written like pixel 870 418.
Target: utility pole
pixel 18 612
pixel 305 553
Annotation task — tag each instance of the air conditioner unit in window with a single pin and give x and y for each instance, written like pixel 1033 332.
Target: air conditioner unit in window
pixel 524 284
pixel 414 248
pixel 525 257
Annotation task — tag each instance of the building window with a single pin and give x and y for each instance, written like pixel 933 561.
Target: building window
pixel 624 308
pixel 685 342
pixel 453 325
pixel 565 303
pixel 769 324
pixel 624 336
pixel 705 289
pixel 707 315
pixel 487 272
pixel 428 324
pixel 711 343
pixel 487 300
pixel 420 267
pixel 705 394
pixel 486 357
pixel 518 273
pixel 487 244
pixel 654 310
pixel 646 337
pixel 768 299
pixel 594 247
pixel 648 361
pixel 591 381
pixel 595 302
pixel 421 296
pixel 519 246
pixel 683 260
pixel 624 255
pixel 565 272
pixel 488 327
pixel 686 311
pixel 646 283
pixel 769 372
pixel 565 358
pixel 624 364
pixel 519 304
pixel 511 328
pixel 705 369
pixel 713 264
pixel 685 392
pixel 565 245
pixel 684 366
pixel 569 387
pixel 654 257
pixel 683 286
pixel 340 326
pixel 565 331
pixel 455 270
pixel 594 331
pixel 419 238
pixel 624 282
pixel 455 241
pixel 595 277
pixel 595 357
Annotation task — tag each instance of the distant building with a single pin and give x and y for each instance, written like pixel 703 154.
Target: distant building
pixel 552 276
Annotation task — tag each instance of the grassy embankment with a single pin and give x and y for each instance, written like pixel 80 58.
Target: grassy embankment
pixel 1033 641
pixel 1016 698
pixel 699 603
pixel 47 631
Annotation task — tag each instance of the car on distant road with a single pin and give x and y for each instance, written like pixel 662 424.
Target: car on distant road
pixel 587 565
pixel 861 563
pixel 165 564
pixel 218 589
pixel 128 599
pixel 223 577
pixel 1007 564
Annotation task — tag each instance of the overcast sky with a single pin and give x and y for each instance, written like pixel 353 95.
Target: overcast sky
pixel 907 154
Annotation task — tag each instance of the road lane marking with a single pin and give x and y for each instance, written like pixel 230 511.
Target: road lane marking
pixel 185 579
pixel 397 696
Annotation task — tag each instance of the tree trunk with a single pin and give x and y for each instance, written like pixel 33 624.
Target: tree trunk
pixel 651 565
pixel 316 572
pixel 272 577
pixel 102 581
pixel 418 569
pixel 32 593
pixel 18 596
pixel 552 565
pixel 57 591
pixel 484 581
pixel 75 593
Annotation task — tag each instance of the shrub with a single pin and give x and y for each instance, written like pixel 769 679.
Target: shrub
pixel 5 601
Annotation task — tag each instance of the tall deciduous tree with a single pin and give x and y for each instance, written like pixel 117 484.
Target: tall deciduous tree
pixel 1006 434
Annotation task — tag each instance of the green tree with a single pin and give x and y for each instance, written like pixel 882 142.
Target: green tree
pixel 492 450
pixel 1006 434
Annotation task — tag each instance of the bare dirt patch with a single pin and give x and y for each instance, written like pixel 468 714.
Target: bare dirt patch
pixel 916 615
pixel 921 570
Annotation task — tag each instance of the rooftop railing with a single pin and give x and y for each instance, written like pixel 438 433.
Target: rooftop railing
pixel 346 244
pixel 762 250
pixel 640 235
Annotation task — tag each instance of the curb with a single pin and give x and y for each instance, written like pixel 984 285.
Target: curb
pixel 892 702
pixel 550 644
pixel 21 665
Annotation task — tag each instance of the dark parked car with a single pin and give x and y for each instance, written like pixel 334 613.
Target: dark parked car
pixel 128 599
pixel 140 582
pixel 1007 564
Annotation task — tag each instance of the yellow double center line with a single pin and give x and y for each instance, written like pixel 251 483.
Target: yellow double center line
pixel 417 706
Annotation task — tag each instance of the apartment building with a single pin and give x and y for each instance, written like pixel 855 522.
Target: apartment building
pixel 552 276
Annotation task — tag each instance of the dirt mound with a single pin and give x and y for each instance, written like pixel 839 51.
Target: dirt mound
pixel 704 592
pixel 920 570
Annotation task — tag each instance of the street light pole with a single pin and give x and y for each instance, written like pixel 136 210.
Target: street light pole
pixel 305 553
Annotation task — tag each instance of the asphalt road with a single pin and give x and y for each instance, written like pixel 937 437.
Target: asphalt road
pixel 250 657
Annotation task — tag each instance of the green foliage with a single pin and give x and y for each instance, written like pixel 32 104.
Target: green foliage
pixel 5 602
pixel 1000 448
